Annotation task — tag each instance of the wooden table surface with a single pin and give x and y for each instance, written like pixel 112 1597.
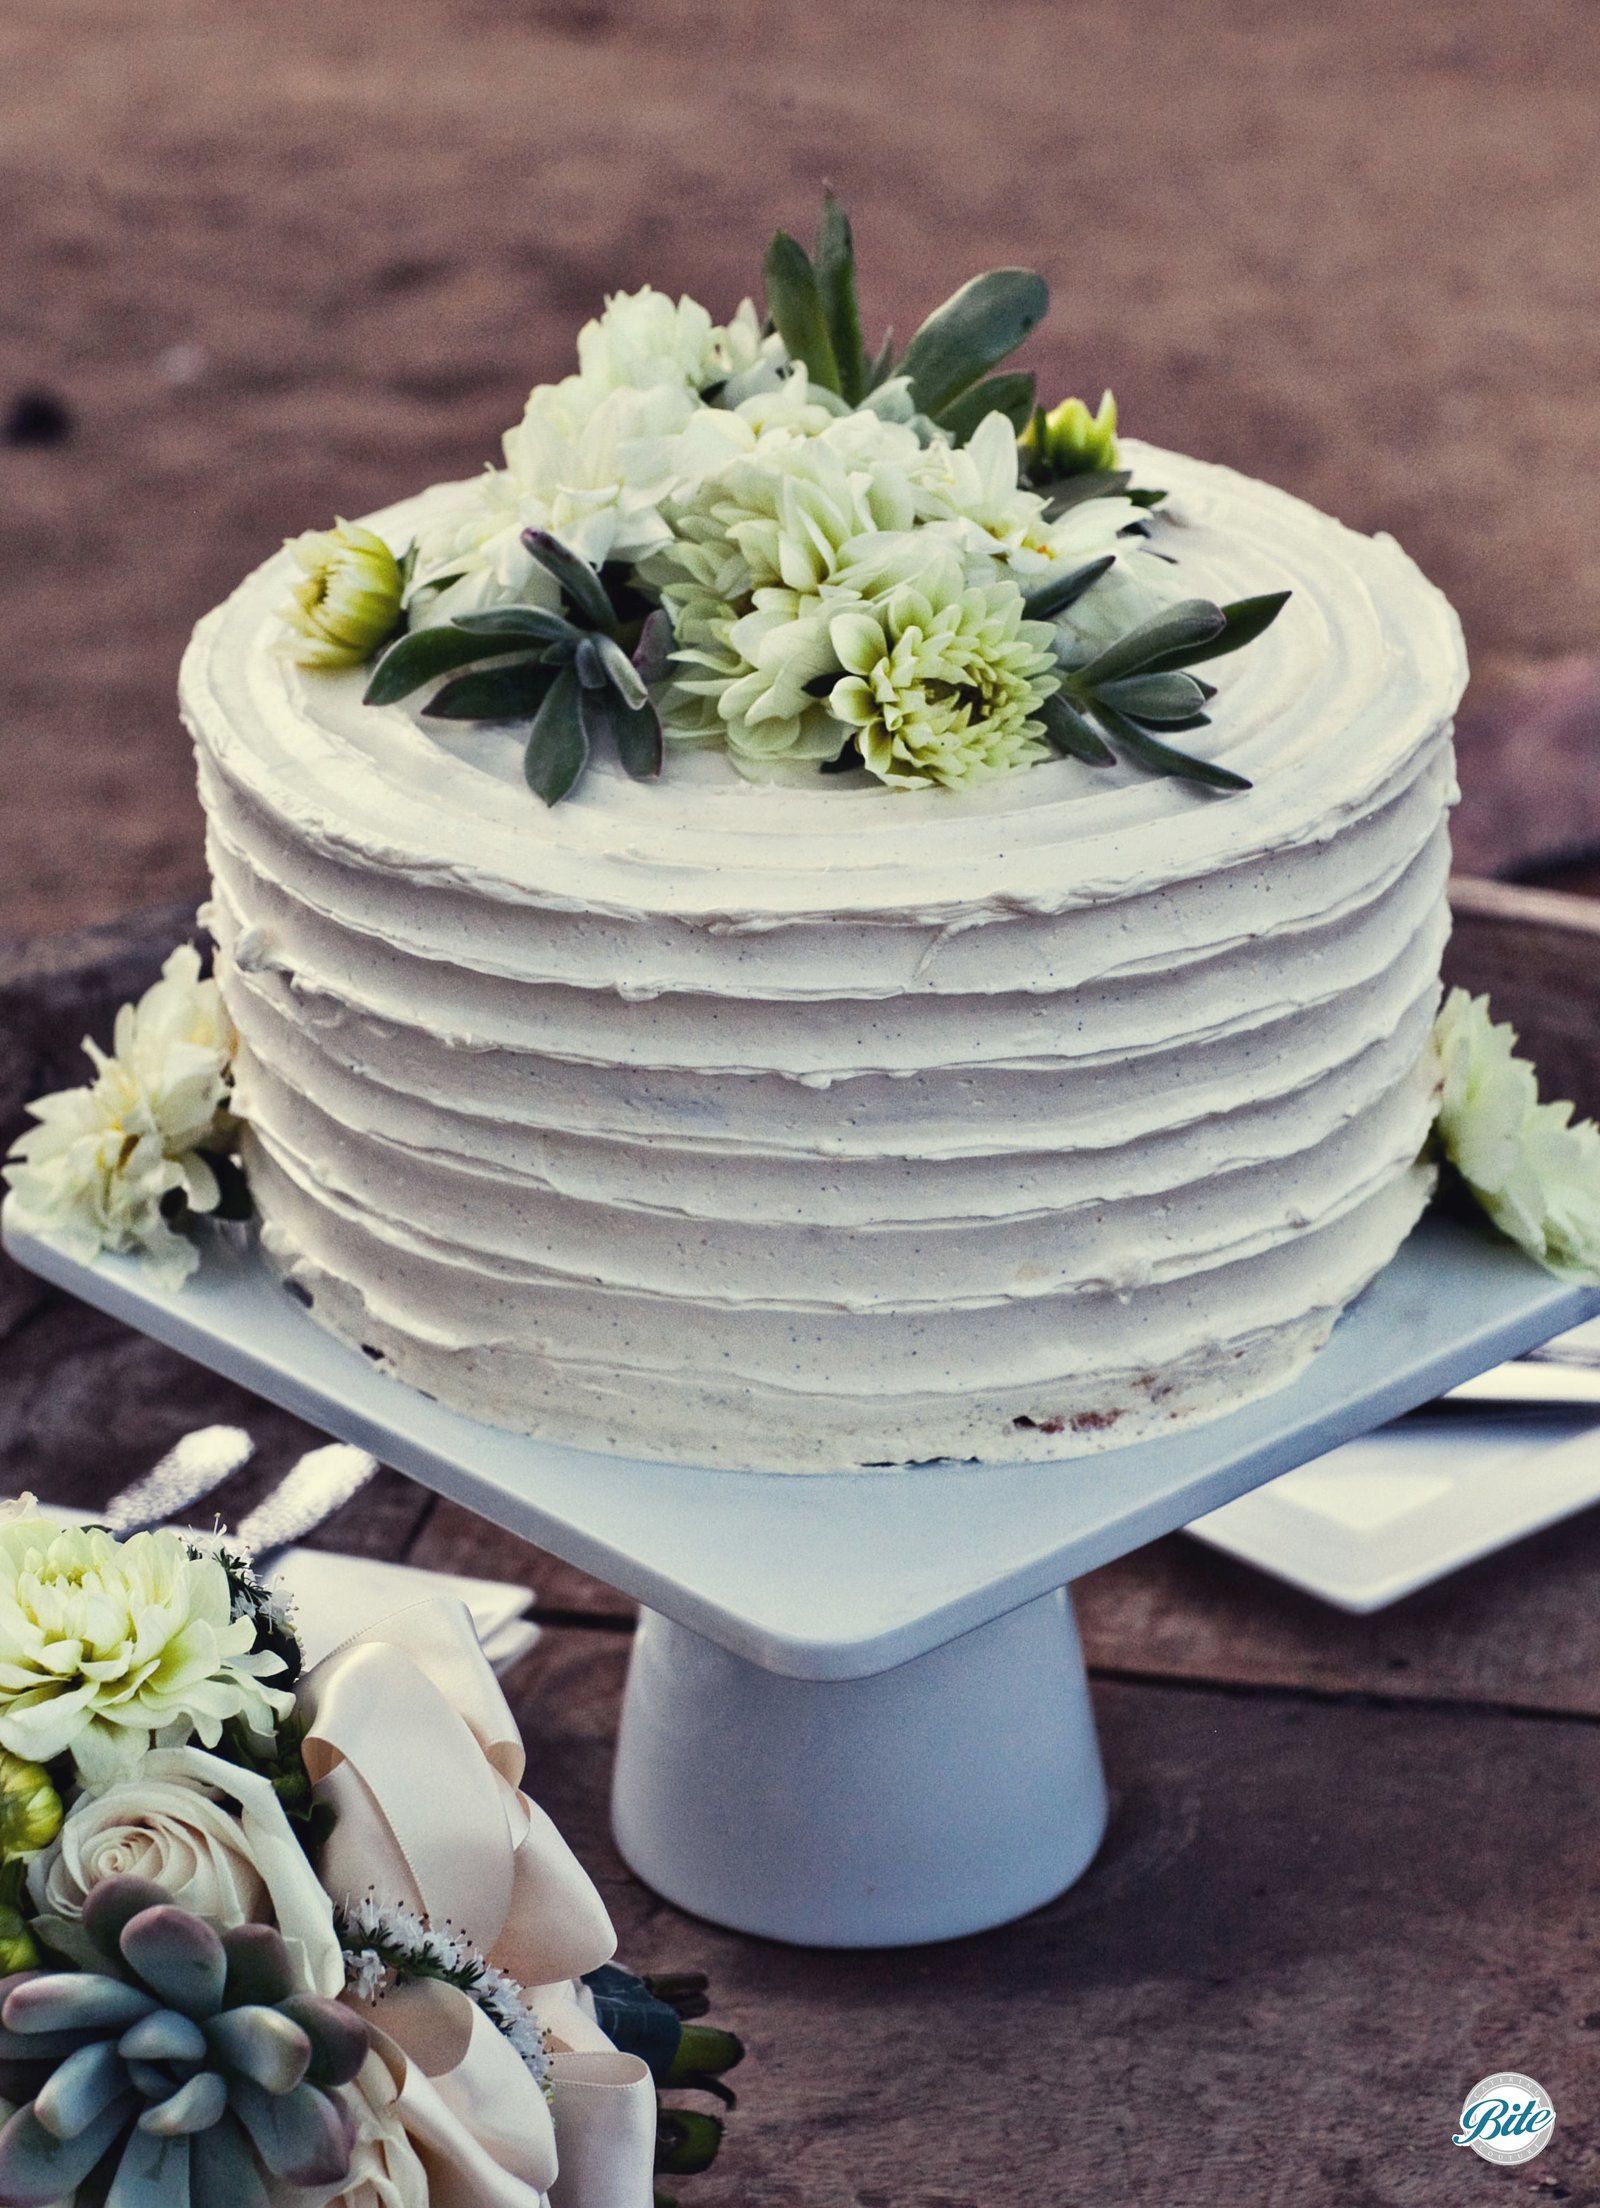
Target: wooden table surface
pixel 1352 1863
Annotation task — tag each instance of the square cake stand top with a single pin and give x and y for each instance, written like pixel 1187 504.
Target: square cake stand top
pixel 842 1575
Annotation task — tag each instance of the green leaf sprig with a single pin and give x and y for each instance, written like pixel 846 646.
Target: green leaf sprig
pixel 578 678
pixel 812 304
pixel 1126 701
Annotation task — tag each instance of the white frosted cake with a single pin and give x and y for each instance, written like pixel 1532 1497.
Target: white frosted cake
pixel 809 1129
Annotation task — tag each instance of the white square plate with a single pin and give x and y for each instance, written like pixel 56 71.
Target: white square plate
pixel 1399 1508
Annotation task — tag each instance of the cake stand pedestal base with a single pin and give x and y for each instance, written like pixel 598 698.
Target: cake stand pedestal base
pixel 946 1796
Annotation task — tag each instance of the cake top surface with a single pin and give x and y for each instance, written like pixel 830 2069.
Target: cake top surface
pixel 1330 707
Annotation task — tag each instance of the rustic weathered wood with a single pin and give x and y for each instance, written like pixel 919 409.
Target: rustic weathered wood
pixel 1521 1629
pixel 86 1405
pixel 1310 1931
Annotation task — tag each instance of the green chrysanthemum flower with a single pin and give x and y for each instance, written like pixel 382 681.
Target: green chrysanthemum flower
pixel 753 547
pixel 942 681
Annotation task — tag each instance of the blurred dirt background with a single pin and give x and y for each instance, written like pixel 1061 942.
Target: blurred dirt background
pixel 270 263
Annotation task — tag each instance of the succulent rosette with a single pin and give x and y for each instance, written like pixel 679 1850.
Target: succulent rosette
pixel 184 2064
pixel 267 1947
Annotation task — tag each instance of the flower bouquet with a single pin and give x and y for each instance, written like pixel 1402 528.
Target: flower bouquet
pixel 279 1935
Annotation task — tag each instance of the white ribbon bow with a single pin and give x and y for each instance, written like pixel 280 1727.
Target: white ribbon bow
pixel 411 1743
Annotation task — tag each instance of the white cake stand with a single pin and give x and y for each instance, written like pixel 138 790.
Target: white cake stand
pixel 857 1712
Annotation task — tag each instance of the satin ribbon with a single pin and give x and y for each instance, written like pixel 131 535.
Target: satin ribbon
pixel 411 1743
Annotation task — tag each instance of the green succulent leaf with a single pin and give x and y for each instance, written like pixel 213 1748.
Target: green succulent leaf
pixel 836 285
pixel 164 2037
pixel 588 666
pixel 223 2171
pixel 652 655
pixel 70 2001
pixel 260 1967
pixel 881 366
pixel 557 750
pixel 339 2039
pixel 620 672
pixel 195 2106
pixel 112 1905
pixel 260 2044
pixel 511 693
pixel 794 302
pixel 153 2171
pixel 37 2168
pixel 79 2091
pixel 1070 733
pixel 1172 636
pixel 1242 622
pixel 179 1956
pixel 634 730
pixel 426 654
pixel 580 585
pixel 1061 591
pixel 302 2136
pixel 1164 698
pixel 1077 490
pixel 515 625
pixel 66 1936
pixel 1011 395
pixel 974 329
pixel 1145 750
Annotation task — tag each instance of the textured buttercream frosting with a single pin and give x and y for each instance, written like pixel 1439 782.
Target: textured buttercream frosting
pixel 805 1128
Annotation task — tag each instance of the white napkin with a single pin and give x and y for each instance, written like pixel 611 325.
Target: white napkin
pixel 335 1596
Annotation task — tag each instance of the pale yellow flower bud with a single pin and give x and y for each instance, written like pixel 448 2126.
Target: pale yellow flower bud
pixel 348 602
pixel 1069 440
pixel 30 1809
pixel 19 1950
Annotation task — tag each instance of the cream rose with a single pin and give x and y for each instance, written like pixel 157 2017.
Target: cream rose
pixel 214 1836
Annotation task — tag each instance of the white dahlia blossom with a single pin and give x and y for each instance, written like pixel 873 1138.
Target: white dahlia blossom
pixel 101 1166
pixel 973 490
pixel 749 582
pixel 646 340
pixel 942 680
pixel 106 1645
pixel 1534 1172
pixel 596 455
